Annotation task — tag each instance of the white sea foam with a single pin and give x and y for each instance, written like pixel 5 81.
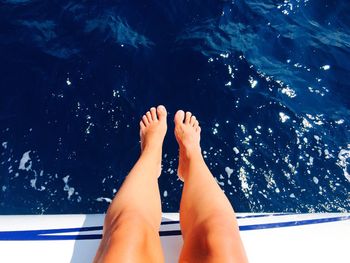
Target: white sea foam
pixel 229 171
pixel 67 188
pixel 289 92
pixel 327 154
pixel 318 122
pixel 311 161
pixel 283 117
pixel 252 82
pixel 106 199
pixel 306 123
pixel 271 183
pixel 242 176
pixel 171 171
pixel 221 183
pixel 4 144
pixel 33 183
pixel 342 162
pixel 116 93
pixel 250 151
pixel 326 67
pixel 243 128
pixel 229 69
pixel 25 162
pixel 341 121
pixel 88 131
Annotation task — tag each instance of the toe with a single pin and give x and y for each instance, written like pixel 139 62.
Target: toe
pixel 161 111
pixel 149 116
pixel 179 117
pixel 154 113
pixel 145 120
pixel 188 117
pixel 193 120
pixel 142 125
pixel 196 124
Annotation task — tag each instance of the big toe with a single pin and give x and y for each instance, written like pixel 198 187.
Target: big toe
pixel 179 117
pixel 161 112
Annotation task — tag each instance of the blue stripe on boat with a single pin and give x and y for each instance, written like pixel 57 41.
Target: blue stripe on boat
pixel 238 217
pixel 44 234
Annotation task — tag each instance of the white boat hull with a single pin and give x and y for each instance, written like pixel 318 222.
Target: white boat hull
pixel 267 237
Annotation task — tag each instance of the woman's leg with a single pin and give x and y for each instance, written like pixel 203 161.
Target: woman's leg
pixel 131 227
pixel 207 219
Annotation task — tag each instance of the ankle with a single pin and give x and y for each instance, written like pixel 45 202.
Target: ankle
pixel 152 153
pixel 152 148
pixel 193 153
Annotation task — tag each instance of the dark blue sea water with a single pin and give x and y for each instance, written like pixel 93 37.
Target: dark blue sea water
pixel 268 80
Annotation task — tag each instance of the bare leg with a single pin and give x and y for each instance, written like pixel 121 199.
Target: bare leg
pixel 207 219
pixel 130 232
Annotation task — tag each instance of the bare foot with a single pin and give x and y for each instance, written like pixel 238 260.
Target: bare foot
pixel 153 128
pixel 187 133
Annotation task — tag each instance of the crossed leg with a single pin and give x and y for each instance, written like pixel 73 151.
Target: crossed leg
pixel 208 223
pixel 131 227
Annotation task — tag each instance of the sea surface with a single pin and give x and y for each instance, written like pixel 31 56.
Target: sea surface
pixel 268 80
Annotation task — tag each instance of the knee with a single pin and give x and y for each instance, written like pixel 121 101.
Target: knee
pixel 130 239
pixel 131 216
pixel 219 235
pixel 132 222
pixel 225 224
